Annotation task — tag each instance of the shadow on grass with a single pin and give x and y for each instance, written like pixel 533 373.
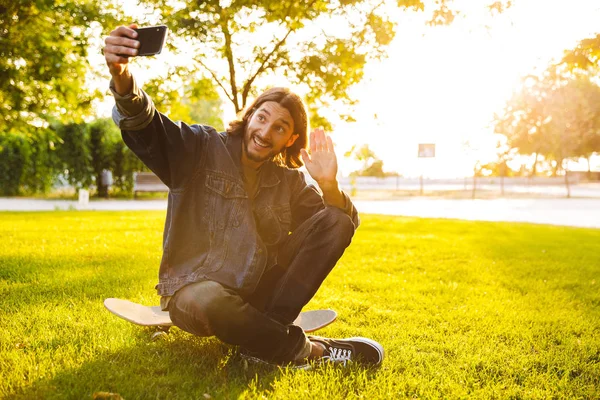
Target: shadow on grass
pixel 182 367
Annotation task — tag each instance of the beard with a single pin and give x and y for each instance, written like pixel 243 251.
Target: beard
pixel 250 143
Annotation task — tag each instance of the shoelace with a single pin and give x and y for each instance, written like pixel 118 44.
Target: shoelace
pixel 338 356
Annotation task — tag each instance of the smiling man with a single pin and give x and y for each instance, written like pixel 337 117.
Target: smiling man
pixel 247 243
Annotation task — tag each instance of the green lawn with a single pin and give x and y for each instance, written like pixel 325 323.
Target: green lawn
pixel 463 309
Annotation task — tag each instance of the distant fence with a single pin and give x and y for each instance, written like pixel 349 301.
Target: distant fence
pixel 399 183
pixel 429 184
pixel 538 185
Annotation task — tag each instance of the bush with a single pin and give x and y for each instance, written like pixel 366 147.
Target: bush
pixel 76 153
pixel 15 155
pixel 41 173
pixel 75 160
pixel 104 136
pixel 124 164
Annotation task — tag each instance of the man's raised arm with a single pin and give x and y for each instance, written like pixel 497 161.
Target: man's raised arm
pixel 121 44
pixel 134 108
pixel 170 150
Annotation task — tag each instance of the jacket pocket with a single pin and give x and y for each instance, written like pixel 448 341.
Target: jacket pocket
pixel 225 198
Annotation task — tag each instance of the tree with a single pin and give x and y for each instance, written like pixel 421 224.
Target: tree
pixel 525 118
pixel 584 61
pixel 321 46
pixel 184 97
pixel 585 56
pixel 556 115
pixel 575 121
pixel 371 164
pixel 43 64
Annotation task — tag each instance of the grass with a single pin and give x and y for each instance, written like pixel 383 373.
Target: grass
pixel 463 309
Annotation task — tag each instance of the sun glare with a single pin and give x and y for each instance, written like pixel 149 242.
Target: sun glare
pixel 443 85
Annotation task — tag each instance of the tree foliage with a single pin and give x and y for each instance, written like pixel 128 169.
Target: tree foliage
pixel 320 46
pixel 585 56
pixel 186 97
pixel 556 116
pixel 43 60
pixel 371 164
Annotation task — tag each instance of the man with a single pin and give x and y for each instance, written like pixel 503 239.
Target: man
pixel 247 242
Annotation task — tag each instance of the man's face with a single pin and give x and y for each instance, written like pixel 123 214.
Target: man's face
pixel 269 131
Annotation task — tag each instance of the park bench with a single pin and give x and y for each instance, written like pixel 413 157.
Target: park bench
pixel 147 182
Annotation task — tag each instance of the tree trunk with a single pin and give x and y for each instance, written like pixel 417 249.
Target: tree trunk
pixel 102 190
pixel 555 168
pixel 589 174
pixel 534 169
pixel 230 62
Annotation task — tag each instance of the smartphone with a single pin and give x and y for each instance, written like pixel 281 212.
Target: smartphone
pixel 152 39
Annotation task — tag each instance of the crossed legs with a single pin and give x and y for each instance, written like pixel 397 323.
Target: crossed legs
pixel 262 323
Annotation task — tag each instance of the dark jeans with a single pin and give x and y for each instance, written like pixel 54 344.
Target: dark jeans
pixel 262 323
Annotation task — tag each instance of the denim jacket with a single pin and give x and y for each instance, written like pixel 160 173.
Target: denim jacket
pixel 213 230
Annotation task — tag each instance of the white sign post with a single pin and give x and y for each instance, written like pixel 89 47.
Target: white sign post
pixel 84 197
pixel 426 150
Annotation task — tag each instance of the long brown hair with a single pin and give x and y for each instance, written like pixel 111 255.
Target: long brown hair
pixel 289 156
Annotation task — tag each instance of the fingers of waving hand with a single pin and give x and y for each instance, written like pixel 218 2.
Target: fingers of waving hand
pixel 329 144
pixel 305 157
pixel 322 162
pixel 120 44
pixel 313 145
pixel 318 141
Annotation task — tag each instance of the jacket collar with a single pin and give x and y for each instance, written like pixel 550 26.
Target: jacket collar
pixel 269 171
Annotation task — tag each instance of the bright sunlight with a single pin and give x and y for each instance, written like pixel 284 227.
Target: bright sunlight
pixel 438 85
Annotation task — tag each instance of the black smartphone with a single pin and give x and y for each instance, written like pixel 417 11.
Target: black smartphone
pixel 152 39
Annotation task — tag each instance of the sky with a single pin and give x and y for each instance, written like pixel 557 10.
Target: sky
pixel 442 85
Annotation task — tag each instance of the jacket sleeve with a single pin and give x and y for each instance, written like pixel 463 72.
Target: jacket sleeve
pixel 307 201
pixel 173 152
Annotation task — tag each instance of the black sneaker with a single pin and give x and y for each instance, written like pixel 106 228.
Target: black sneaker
pixel 355 349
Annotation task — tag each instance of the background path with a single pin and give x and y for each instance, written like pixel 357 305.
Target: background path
pixel 569 212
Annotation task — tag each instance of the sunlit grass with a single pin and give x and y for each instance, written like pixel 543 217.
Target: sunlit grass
pixel 463 309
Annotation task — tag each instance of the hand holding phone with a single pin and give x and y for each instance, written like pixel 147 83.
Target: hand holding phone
pixel 125 42
pixel 129 41
pixel 152 39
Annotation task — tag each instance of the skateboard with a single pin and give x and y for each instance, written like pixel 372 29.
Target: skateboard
pixel 153 316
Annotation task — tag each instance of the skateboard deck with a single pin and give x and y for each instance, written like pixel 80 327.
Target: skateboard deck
pixel 138 314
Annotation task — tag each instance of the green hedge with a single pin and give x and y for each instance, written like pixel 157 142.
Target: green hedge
pixel 32 163
pixel 15 155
